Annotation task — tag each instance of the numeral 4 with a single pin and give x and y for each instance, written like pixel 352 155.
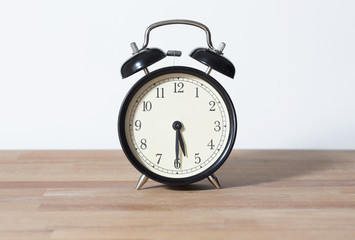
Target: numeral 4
pixel 210 144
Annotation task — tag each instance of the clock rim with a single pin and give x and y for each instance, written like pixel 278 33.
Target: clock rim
pixel 231 136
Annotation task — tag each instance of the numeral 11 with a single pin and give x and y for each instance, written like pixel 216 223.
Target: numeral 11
pixel 160 93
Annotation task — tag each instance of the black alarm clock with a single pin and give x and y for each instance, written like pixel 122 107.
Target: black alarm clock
pixel 177 125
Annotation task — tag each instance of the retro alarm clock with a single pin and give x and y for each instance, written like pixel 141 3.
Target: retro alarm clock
pixel 177 125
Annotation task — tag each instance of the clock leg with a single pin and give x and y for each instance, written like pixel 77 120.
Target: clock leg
pixel 213 179
pixel 141 181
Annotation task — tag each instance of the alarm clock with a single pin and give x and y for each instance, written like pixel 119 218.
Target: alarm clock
pixel 177 125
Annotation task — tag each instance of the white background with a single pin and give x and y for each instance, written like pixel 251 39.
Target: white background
pixel 60 83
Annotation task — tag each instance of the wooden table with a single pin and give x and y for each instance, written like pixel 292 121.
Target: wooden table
pixel 267 194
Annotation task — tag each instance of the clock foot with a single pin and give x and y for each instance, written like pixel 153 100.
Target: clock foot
pixel 213 179
pixel 141 181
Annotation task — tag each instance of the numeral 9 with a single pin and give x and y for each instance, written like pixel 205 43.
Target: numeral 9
pixel 138 125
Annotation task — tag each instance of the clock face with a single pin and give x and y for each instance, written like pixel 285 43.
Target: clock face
pixel 177 125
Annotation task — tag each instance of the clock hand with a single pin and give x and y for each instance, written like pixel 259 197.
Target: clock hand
pixel 177 162
pixel 177 125
pixel 182 145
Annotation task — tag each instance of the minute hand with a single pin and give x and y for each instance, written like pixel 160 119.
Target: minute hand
pixel 177 125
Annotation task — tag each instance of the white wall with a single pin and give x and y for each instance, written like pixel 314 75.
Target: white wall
pixel 60 83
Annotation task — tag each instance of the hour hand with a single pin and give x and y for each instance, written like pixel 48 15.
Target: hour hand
pixel 182 145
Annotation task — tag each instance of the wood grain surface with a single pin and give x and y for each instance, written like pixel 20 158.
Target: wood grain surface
pixel 266 194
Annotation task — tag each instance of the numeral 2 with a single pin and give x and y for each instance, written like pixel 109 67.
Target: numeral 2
pixel 213 105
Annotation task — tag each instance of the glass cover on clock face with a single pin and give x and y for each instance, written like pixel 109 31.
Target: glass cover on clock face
pixel 177 125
